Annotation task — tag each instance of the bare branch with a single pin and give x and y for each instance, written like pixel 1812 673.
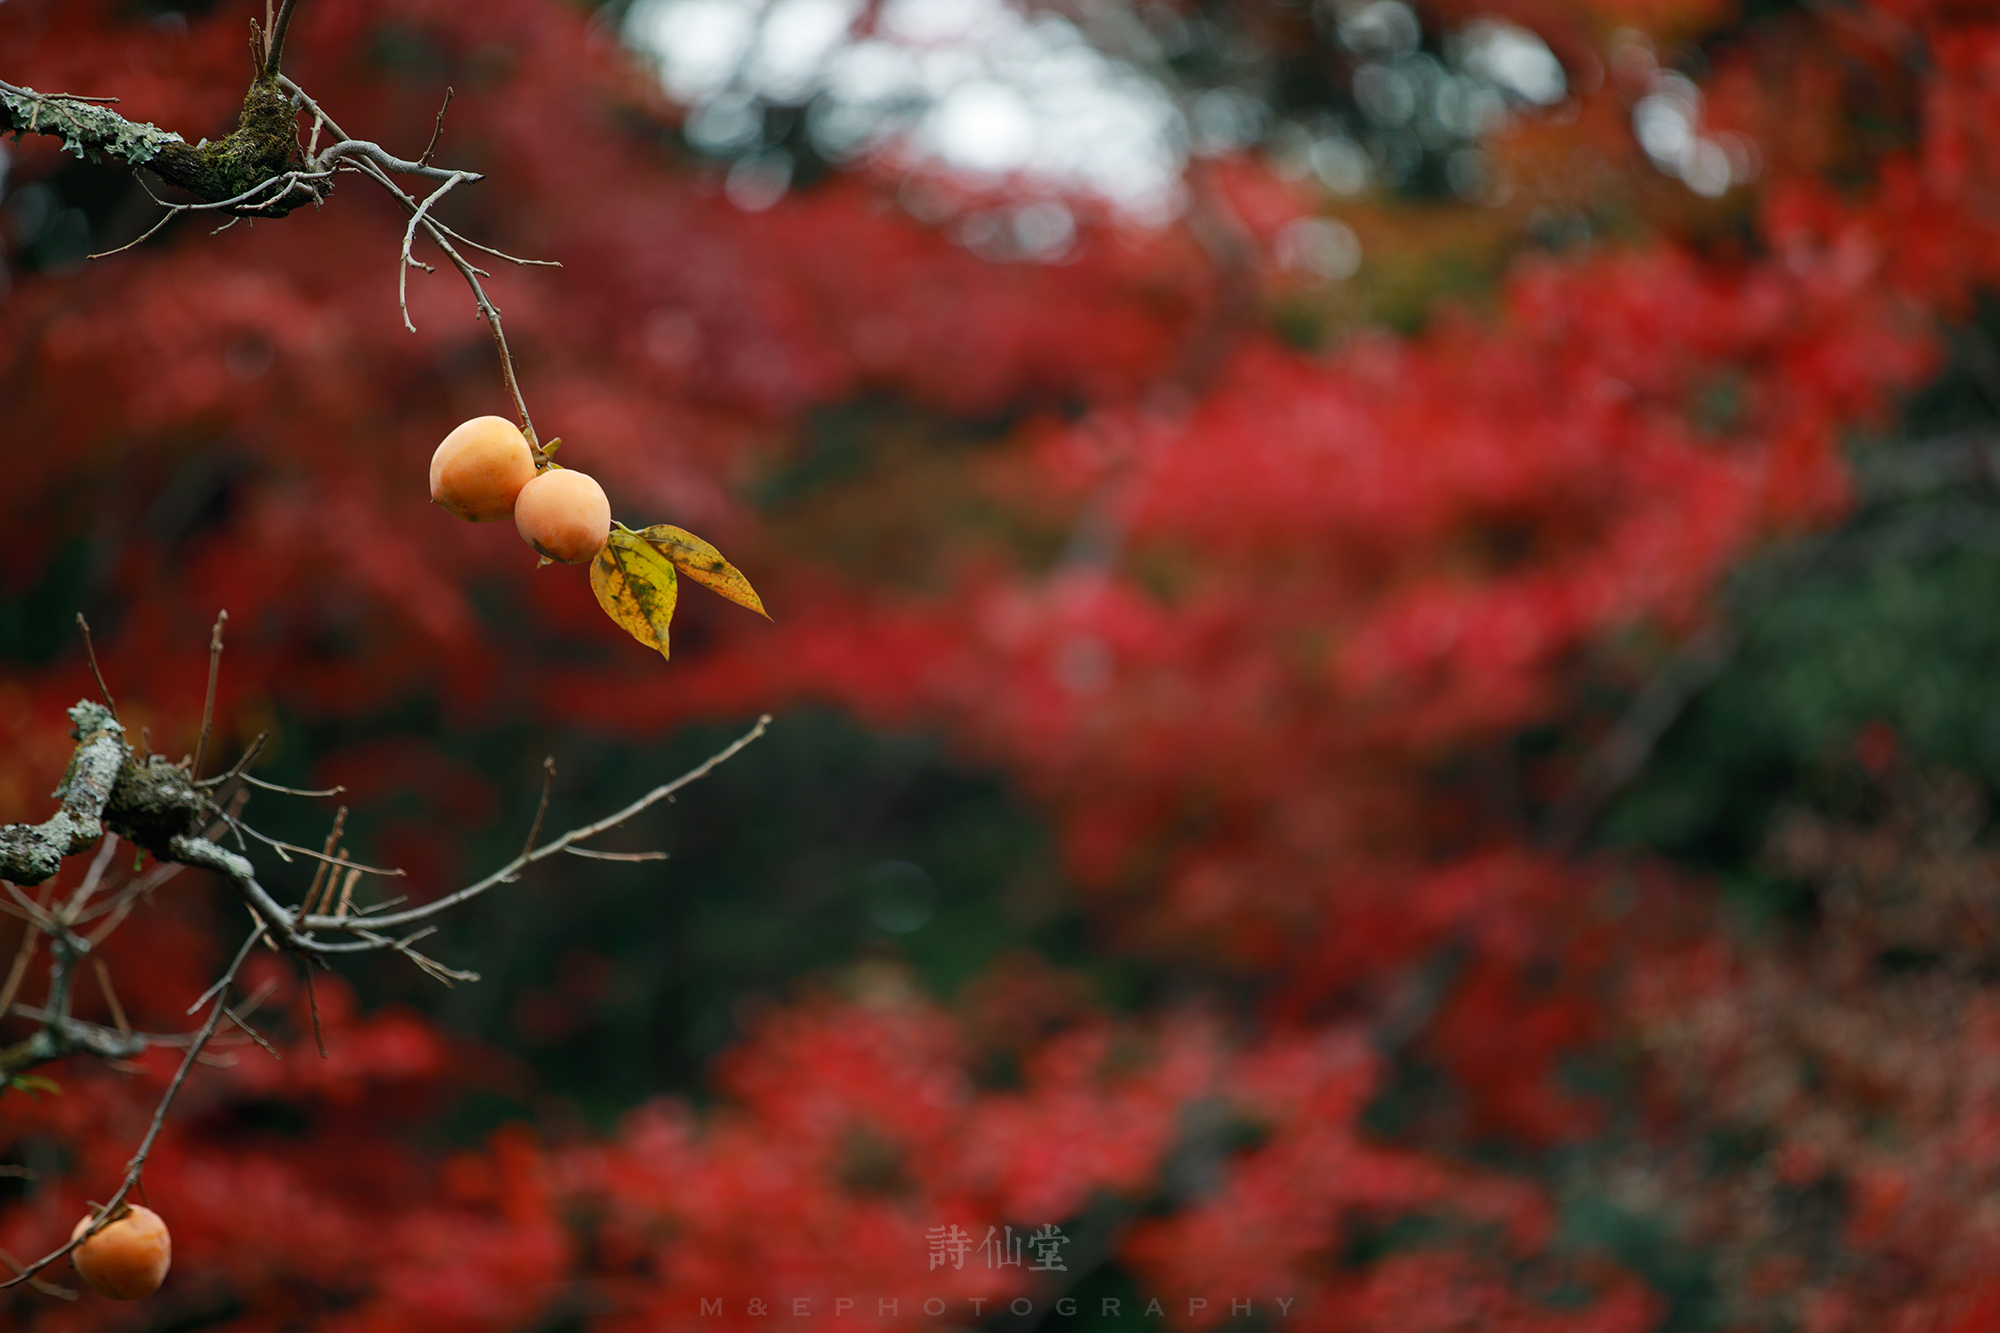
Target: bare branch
pixel 615 856
pixel 274 51
pixel 235 770
pixel 307 903
pixel 36 1284
pixel 133 893
pixel 409 239
pixel 19 971
pixel 290 791
pixel 110 996
pixel 337 862
pixel 377 155
pixel 437 133
pixel 30 853
pixel 487 309
pixel 91 879
pixel 347 892
pixel 312 1002
pixel 497 254
pixel 576 835
pixel 208 701
pixel 548 785
pixel 252 1033
pixel 90 649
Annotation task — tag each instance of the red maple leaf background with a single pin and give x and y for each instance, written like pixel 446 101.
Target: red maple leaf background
pixel 1240 620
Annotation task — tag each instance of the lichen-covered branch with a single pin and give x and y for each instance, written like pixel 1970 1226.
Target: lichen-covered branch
pixel 30 853
pixel 264 144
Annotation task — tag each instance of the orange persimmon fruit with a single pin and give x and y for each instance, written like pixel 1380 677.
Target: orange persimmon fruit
pixel 480 468
pixel 126 1260
pixel 564 515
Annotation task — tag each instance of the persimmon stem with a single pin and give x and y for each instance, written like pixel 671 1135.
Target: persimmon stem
pixel 443 236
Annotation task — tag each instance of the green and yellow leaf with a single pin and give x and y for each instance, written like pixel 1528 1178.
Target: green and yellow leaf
pixel 636 585
pixel 704 564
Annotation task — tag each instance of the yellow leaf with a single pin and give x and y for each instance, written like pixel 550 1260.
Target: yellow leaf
pixel 704 564
pixel 636 586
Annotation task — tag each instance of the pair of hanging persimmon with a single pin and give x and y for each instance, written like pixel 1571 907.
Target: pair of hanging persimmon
pixel 486 471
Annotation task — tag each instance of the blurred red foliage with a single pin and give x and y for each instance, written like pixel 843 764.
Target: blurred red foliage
pixel 1269 613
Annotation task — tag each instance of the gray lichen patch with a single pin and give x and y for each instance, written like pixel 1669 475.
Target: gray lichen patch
pixel 85 129
pixel 264 145
pixel 152 802
pixel 30 853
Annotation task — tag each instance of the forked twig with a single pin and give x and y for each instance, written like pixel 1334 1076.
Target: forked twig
pixel 442 237
pixel 410 238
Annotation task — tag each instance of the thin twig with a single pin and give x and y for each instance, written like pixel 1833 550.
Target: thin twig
pixel 290 791
pixel 497 254
pixel 90 649
pixel 275 50
pixel 615 856
pixel 437 133
pixel 284 850
pixel 19 971
pixel 240 1016
pixel 291 180
pixel 131 895
pixel 505 873
pixel 409 239
pixel 312 1000
pixel 214 668
pixel 487 310
pixel 367 152
pixel 173 211
pixel 111 996
pixel 548 785
pixel 36 1284
pixel 43 921
pixel 235 770
pixel 106 849
pixel 347 892
pixel 307 903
